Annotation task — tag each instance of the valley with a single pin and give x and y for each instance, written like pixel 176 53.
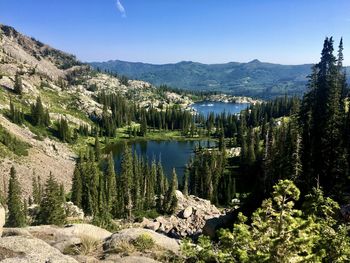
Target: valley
pixel 184 162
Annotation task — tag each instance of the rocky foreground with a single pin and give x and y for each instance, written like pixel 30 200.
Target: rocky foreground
pixel 156 240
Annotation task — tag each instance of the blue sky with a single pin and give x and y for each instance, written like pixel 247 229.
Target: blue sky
pixel 167 31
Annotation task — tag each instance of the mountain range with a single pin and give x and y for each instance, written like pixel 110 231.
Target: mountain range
pixel 255 78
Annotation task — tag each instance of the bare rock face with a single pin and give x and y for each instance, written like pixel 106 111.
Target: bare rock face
pixel 2 218
pixel 18 249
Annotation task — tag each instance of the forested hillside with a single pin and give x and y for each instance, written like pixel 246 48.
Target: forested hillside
pixel 255 78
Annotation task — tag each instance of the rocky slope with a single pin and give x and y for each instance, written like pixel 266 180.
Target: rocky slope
pixel 67 88
pixel 150 241
pixel 189 218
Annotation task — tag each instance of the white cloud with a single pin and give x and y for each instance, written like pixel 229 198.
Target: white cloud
pixel 121 8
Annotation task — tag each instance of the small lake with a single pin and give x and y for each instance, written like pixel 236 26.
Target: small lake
pixel 173 154
pixel 206 107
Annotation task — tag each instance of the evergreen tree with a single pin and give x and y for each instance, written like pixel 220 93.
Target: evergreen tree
pixel 97 148
pixel 16 214
pixel 77 184
pixel 51 206
pixel 185 182
pixel 16 115
pixel 39 116
pixel 64 133
pixel 18 87
pixel 111 184
pixel 37 189
pixel 321 119
pixel 161 187
pixel 170 202
pixel 126 182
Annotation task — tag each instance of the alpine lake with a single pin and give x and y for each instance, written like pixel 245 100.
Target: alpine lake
pixel 174 153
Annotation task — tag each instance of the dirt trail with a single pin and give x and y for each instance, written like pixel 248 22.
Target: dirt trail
pixel 44 157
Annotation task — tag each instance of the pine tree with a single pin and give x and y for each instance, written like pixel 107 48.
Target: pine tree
pixel 97 148
pixel 170 202
pixel 161 187
pixel 16 214
pixel 51 206
pixel 77 184
pixel 18 87
pixel 111 184
pixel 64 133
pixel 185 182
pixel 126 182
pixel 321 119
pixel 36 186
pixel 38 115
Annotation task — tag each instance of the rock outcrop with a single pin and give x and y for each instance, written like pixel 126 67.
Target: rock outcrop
pixel 189 219
pixel 70 235
pixel 130 234
pixel 21 249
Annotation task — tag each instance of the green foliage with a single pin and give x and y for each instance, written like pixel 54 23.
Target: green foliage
pixel 18 87
pixel 63 131
pixel 278 232
pixel 15 145
pixel 144 242
pixel 124 80
pixel 37 191
pixel 51 206
pixel 16 213
pixel 16 115
pixel 170 200
pixel 77 184
pixel 97 148
pixel 39 116
pixel 321 118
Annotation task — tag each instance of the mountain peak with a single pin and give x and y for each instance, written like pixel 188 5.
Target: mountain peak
pixel 255 61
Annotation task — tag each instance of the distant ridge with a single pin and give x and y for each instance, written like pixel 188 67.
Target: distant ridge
pixel 254 78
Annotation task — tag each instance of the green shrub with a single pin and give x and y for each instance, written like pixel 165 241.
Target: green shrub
pixel 15 145
pixel 144 242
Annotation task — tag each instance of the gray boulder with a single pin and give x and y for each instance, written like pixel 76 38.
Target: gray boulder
pixel 153 225
pixel 69 235
pixel 130 234
pixel 187 212
pixel 20 249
